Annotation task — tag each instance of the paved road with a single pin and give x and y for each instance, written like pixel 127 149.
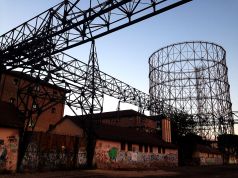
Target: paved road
pixel 180 172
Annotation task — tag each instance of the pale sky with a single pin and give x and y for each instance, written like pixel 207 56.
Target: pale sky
pixel 124 54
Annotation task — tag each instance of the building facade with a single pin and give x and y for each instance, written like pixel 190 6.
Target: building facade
pixel 35 98
pixel 118 145
pixel 205 155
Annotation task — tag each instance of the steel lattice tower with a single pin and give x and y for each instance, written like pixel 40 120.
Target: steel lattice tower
pixel 192 77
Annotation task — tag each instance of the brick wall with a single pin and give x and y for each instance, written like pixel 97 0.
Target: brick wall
pixel 8 92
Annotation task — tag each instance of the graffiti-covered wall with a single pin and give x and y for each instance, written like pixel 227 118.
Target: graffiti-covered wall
pixel 9 140
pixel 208 158
pixel 108 155
pixel 53 152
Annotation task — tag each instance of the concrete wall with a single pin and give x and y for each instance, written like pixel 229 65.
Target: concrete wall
pixel 9 142
pixel 108 155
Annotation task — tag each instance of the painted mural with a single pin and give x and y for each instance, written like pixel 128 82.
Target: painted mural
pixel 82 158
pixel 3 155
pixel 8 153
pixel 113 158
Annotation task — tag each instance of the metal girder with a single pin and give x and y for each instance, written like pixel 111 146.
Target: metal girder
pixel 72 76
pixel 36 46
pixel 67 25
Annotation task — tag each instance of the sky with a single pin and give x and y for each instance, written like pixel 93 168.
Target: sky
pixel 124 54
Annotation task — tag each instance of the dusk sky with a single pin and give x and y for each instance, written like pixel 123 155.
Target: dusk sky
pixel 124 54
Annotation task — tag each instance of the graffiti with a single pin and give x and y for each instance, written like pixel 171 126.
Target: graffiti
pixel 50 160
pixel 3 154
pixel 82 157
pixel 121 156
pixel 8 153
pixel 112 153
pixel 30 160
pixel 171 158
pixel 101 156
pixel 13 143
pixel 134 156
pixel 210 161
pixel 114 159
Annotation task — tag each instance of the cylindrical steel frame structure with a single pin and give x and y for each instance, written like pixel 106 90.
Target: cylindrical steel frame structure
pixel 192 77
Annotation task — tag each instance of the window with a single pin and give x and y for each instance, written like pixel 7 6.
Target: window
pixel 146 148
pixel 53 110
pixel 51 126
pixel 12 100
pixel 129 147
pixel 123 146
pixel 34 106
pixel 54 92
pixel 37 88
pixel 1 142
pixel 100 145
pixel 159 149
pixel 15 81
pixel 141 148
pixel 151 149
pixel 135 148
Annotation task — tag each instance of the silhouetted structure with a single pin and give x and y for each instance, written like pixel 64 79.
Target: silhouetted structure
pixel 192 77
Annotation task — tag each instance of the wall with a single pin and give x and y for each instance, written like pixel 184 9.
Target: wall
pixel 233 160
pixel 208 158
pixel 53 152
pixel 8 91
pixel 108 155
pixel 9 141
pixel 67 127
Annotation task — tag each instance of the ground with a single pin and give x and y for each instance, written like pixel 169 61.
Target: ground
pixel 230 171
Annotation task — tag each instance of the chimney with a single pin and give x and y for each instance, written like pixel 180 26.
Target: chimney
pixel 166 129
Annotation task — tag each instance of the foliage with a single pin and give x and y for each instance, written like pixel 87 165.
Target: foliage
pixel 228 143
pixel 181 124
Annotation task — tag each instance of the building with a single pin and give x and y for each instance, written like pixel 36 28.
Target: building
pixel 11 124
pixel 206 155
pixel 118 145
pixel 33 97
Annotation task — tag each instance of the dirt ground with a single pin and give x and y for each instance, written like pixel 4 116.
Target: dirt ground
pixel 230 171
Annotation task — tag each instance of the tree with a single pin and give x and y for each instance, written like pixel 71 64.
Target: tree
pixel 181 124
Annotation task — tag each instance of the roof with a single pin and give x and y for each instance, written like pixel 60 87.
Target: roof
pixel 115 133
pixel 207 149
pixel 131 135
pixel 10 116
pixel 112 115
pixel 29 78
